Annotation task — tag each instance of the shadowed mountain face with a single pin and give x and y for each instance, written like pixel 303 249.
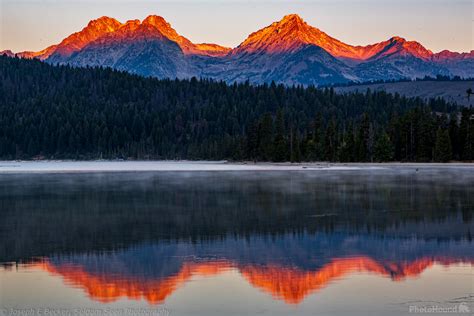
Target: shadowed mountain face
pixel 288 51
pixel 306 65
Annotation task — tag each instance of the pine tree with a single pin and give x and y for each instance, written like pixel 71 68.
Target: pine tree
pixel 347 147
pixel 295 147
pixel 265 133
pixel 318 136
pixel 464 134
pixel 330 141
pixel 252 141
pixel 425 137
pixel 443 150
pixel 280 148
pixel 468 149
pixel 362 140
pixel 469 92
pixel 454 136
pixel 395 135
pixel 383 150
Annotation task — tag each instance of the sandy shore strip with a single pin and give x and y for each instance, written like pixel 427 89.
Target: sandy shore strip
pixel 64 166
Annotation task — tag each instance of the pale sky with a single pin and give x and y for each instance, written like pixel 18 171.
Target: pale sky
pixel 437 24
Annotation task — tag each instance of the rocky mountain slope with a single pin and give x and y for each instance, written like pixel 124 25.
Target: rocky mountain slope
pixel 288 51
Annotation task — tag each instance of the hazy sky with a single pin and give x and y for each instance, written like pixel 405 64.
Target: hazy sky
pixel 437 24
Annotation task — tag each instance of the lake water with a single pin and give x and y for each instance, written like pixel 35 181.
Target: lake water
pixel 170 238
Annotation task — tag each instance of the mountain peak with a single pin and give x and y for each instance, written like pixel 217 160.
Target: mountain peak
pixel 292 18
pixel 398 46
pixel 186 45
pixel 111 23
pixel 164 27
pixel 289 35
pixel 157 21
pixel 155 26
pixel 397 39
pixel 293 23
pixel 75 42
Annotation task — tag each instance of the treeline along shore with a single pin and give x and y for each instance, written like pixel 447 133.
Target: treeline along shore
pixel 61 112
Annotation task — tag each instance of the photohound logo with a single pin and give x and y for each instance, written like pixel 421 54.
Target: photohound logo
pixel 462 308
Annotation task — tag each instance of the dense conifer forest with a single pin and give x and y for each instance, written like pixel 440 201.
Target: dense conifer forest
pixel 87 113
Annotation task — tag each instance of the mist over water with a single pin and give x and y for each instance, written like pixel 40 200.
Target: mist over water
pixel 259 241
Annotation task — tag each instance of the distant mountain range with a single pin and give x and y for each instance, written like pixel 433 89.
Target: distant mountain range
pixel 288 51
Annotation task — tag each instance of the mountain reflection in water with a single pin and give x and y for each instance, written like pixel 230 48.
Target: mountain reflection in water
pixel 143 236
pixel 287 267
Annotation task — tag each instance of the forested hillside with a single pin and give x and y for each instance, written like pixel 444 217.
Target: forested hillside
pixel 450 90
pixel 84 113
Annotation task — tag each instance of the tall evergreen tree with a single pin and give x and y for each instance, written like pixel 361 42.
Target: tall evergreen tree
pixel 347 146
pixel 330 141
pixel 454 136
pixel 295 147
pixel 468 150
pixel 363 138
pixel 252 141
pixel 383 150
pixel 425 137
pixel 280 147
pixel 443 150
pixel 265 139
pixel 464 134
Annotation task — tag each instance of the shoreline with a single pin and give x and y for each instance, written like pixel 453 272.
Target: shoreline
pixel 98 166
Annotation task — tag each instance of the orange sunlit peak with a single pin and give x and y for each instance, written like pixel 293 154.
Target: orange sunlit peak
pixel 292 17
pixel 157 21
pixel 104 20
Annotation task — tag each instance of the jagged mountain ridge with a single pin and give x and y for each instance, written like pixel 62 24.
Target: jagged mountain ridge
pixel 139 48
pixel 288 51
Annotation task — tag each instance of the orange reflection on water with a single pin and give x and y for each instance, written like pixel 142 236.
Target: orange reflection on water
pixel 290 284
pixel 293 285
pixel 108 288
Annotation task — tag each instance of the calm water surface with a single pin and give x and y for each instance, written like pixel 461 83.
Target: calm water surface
pixel 236 241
